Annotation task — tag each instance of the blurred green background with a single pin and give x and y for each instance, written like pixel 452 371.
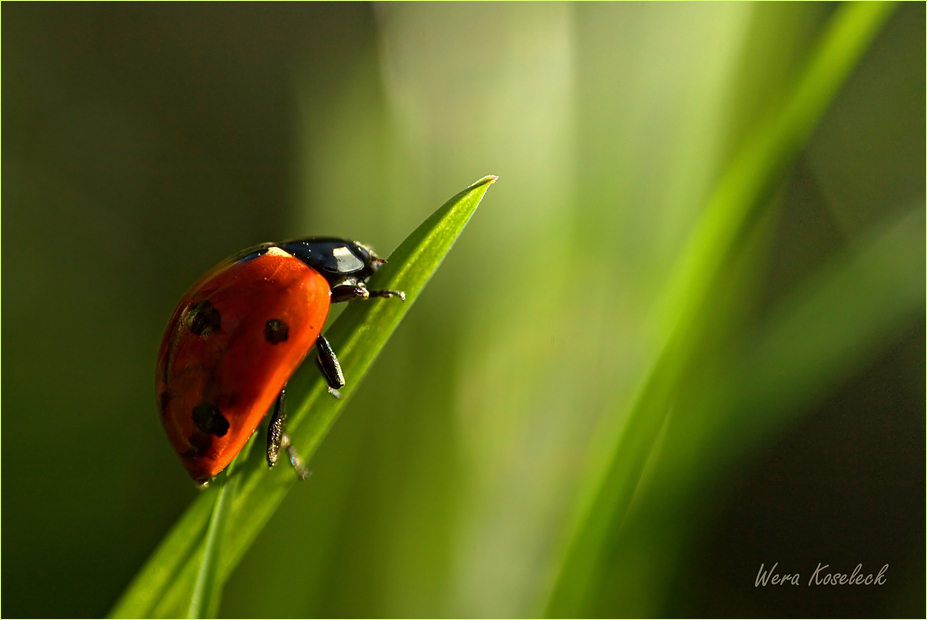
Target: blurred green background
pixel 145 142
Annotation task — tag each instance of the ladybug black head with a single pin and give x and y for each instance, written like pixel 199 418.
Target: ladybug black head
pixel 336 259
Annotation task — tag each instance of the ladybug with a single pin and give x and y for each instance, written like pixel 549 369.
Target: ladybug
pixel 238 335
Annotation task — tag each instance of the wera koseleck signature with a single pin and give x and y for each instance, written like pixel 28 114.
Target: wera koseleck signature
pixel 822 576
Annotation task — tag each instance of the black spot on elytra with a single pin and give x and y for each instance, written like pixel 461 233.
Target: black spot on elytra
pixel 164 400
pixel 210 420
pixel 276 331
pixel 203 318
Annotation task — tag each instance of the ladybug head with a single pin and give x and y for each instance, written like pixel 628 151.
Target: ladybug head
pixel 371 260
pixel 336 259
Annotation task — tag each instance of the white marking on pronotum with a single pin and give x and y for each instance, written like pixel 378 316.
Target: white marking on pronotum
pixel 347 262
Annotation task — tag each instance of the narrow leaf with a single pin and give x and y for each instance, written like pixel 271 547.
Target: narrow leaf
pixel 824 332
pixel 608 490
pixel 164 586
pixel 204 602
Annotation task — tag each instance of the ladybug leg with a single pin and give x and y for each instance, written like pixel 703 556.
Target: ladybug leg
pixel 387 293
pixel 351 290
pixel 275 430
pixel 277 438
pixel 329 366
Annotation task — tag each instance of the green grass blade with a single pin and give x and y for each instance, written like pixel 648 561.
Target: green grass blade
pixel 204 602
pixel 829 327
pixel 825 331
pixel 165 584
pixel 610 487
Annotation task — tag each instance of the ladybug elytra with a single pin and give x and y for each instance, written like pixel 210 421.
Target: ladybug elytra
pixel 240 333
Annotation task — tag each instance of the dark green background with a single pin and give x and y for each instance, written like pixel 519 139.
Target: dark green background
pixel 142 143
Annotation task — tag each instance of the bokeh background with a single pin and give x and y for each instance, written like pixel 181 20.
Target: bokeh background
pixel 145 142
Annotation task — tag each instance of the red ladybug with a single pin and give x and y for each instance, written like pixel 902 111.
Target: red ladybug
pixel 239 334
